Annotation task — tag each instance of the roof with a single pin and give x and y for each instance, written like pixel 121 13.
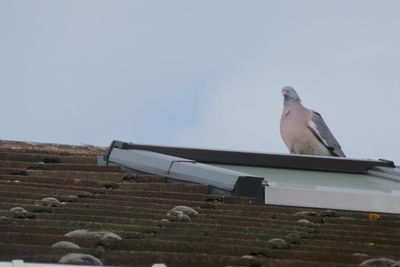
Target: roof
pixel 131 221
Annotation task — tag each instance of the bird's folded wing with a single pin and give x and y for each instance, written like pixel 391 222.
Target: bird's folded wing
pixel 322 132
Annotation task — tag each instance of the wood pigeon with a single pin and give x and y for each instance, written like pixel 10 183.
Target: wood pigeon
pixel 304 131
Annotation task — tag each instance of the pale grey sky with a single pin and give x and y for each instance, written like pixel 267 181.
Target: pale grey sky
pixel 199 73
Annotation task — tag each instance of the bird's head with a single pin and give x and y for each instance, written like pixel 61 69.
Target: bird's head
pixel 289 95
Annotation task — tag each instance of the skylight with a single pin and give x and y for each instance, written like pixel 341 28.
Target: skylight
pixel 294 180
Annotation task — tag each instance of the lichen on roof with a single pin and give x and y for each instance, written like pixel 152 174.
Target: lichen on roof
pixel 47 192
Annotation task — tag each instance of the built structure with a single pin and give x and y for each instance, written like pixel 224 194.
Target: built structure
pixel 139 205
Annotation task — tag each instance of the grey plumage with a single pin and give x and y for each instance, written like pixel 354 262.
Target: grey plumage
pixel 304 131
pixel 322 132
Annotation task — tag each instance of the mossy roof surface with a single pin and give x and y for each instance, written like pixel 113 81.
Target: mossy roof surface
pixel 139 209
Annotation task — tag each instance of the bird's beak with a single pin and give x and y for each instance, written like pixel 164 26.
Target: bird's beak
pixel 284 93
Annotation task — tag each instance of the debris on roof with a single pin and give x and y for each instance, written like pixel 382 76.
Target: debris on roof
pixel 48 192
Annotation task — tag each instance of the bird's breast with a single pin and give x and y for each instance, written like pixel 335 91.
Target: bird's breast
pixel 297 136
pixel 294 126
pixel 286 113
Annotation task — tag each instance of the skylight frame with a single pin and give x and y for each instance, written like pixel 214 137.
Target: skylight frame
pixel 318 197
pixel 220 180
pixel 325 199
pixel 290 161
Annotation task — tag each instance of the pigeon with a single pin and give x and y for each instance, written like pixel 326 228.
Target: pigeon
pixel 304 131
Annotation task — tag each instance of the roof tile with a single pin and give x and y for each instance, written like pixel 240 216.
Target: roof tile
pixel 227 230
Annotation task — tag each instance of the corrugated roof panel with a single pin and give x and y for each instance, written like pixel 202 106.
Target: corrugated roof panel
pixel 137 207
pixel 21 263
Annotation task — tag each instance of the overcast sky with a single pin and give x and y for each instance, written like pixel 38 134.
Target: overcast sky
pixel 199 73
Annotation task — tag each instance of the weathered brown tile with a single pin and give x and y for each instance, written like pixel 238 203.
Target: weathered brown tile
pixel 135 206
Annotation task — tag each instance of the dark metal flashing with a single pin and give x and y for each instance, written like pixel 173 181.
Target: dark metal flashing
pixel 288 161
pixel 250 187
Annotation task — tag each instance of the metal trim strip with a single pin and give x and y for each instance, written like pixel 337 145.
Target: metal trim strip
pixel 305 162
